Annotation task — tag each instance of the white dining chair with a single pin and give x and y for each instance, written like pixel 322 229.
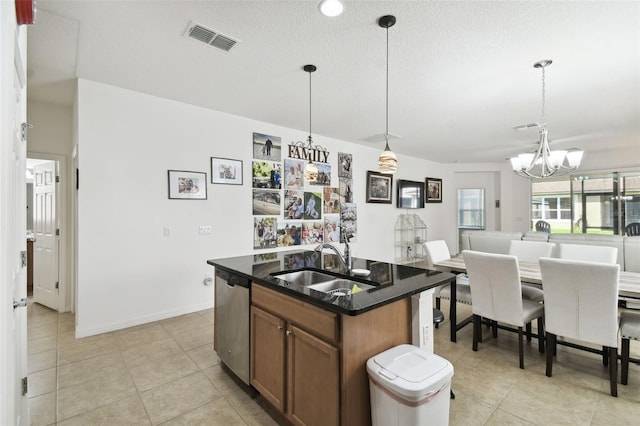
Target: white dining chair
pixel 581 303
pixel 530 251
pixel 438 251
pixel 497 295
pixel 587 253
pixel 629 330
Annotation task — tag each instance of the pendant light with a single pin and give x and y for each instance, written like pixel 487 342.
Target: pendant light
pixel 310 170
pixel 387 161
pixel 544 163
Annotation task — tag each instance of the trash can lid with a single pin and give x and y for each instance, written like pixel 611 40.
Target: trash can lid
pixel 410 363
pixel 409 372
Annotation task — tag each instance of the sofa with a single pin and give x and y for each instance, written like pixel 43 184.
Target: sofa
pixel 498 242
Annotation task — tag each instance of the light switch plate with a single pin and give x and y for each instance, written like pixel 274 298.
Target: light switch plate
pixel 205 229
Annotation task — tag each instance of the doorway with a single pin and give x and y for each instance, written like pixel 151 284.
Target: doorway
pixel 45 216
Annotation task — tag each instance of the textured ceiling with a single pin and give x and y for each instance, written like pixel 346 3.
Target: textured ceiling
pixel 460 74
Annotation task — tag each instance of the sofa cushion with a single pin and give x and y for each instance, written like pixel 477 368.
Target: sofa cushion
pixel 493 242
pixel 535 236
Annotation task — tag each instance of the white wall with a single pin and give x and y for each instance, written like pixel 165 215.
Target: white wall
pixel 128 272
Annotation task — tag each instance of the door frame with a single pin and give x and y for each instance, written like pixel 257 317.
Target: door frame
pixel 66 289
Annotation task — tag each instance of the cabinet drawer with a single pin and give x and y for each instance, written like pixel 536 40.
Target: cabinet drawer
pixel 315 320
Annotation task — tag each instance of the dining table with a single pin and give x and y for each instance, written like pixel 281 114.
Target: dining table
pixel 628 290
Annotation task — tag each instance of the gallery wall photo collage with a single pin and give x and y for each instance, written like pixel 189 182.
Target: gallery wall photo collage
pixel 290 209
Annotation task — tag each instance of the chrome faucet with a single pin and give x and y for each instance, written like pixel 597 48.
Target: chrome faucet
pixel 345 259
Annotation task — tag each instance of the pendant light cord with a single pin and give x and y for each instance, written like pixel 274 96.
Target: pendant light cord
pixel 309 107
pixel 386 133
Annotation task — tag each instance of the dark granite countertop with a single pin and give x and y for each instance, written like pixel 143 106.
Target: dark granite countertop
pixel 392 282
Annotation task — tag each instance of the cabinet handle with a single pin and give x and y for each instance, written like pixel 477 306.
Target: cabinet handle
pixel 288 332
pixel 280 327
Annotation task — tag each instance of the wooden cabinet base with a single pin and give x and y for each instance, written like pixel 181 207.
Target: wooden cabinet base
pixel 310 373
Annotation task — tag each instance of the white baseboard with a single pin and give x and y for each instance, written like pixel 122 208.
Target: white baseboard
pixel 131 322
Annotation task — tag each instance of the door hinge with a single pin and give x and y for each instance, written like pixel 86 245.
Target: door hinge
pixel 57 179
pixel 23 258
pixel 58 231
pixel 22 303
pixel 23 130
pixel 24 386
pixel 57 285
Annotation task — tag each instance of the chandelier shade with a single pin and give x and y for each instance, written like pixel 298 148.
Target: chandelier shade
pixel 387 161
pixel 545 163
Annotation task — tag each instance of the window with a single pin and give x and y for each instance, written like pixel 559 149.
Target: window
pixel 471 208
pixel 598 203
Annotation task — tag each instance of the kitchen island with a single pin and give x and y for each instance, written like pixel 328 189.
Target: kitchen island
pixel 308 349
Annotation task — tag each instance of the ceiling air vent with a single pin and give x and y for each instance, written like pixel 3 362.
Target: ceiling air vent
pixel 379 138
pixel 210 37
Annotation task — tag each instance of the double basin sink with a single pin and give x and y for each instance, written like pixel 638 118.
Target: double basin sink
pixel 323 282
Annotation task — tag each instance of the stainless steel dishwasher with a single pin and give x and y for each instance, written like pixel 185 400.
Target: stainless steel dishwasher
pixel 231 328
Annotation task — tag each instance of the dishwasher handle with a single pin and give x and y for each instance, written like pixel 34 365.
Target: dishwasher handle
pixel 232 279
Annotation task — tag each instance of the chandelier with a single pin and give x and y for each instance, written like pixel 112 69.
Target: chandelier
pixel 387 161
pixel 544 162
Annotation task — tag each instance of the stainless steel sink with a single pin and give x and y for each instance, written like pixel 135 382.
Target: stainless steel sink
pixel 305 277
pixel 341 287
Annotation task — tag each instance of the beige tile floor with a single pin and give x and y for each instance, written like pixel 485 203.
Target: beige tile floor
pixel 167 373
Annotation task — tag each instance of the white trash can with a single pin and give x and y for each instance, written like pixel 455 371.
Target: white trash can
pixel 409 386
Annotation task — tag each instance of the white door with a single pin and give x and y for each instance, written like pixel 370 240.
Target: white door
pixel 13 317
pixel 45 246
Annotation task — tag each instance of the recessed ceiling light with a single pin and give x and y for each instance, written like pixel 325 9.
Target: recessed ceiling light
pixel 331 7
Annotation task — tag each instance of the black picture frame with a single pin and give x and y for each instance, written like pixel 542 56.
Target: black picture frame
pixel 379 186
pixel 409 194
pixel 186 185
pixel 433 190
pixel 226 171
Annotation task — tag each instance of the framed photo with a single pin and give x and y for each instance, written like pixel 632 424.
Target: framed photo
pixel 344 164
pixel 379 187
pixel 434 190
pixel 266 147
pixel 226 170
pixel 410 194
pixel 185 185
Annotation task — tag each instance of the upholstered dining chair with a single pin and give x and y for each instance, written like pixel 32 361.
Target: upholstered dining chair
pixel 542 226
pixel 530 251
pixel 632 229
pixel 629 330
pixel 581 302
pixel 496 291
pixel 438 251
pixel 588 253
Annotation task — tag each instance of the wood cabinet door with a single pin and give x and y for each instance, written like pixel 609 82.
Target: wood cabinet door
pixel 268 356
pixel 313 379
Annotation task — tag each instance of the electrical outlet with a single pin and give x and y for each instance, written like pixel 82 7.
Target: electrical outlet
pixel 205 229
pixel 166 231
